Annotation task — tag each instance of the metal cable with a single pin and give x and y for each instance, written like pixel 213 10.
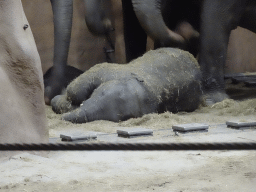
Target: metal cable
pixel 125 146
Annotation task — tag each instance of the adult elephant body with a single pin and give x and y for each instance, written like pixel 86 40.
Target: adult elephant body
pixel 22 107
pixel 215 19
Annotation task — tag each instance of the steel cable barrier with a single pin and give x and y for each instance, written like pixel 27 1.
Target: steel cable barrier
pixel 126 146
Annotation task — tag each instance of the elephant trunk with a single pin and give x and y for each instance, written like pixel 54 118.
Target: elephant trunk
pixel 62 13
pixel 150 17
pixel 95 17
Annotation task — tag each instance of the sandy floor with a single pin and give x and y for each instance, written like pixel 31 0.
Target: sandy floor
pixel 144 171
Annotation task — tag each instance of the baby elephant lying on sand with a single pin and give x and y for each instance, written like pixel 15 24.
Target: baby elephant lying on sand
pixel 162 80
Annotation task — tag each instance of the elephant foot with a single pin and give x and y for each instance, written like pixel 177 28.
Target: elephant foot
pixel 60 104
pixel 77 116
pixel 51 91
pixel 54 85
pixel 215 97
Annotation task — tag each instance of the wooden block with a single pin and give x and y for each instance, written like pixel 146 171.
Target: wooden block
pixel 134 132
pixel 238 124
pixel 78 136
pixel 190 127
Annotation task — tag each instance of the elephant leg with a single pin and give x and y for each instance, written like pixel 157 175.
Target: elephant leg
pixel 134 36
pixel 248 19
pixel 218 19
pixel 62 13
pixel 22 108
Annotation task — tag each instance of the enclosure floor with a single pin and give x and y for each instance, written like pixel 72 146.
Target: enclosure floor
pixel 144 170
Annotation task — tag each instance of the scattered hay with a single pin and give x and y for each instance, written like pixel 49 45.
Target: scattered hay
pixel 232 107
pixel 155 121
pixel 215 114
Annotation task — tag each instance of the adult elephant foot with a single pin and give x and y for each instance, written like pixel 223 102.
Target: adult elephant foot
pixel 166 79
pixel 54 84
pixel 214 89
pixel 215 97
pixel 52 89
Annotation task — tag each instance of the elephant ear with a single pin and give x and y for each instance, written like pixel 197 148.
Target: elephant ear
pixel 96 20
pixel 150 17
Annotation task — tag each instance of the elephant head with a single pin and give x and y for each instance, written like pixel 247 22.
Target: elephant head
pixel 149 14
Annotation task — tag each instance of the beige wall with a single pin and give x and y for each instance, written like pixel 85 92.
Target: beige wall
pixel 241 52
pixel 85 49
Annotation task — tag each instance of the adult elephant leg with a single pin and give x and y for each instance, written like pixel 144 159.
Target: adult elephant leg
pixel 218 19
pixel 248 19
pixel 62 13
pixel 134 36
pixel 22 108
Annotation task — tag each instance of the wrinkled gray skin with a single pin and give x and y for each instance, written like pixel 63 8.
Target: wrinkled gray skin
pixel 218 18
pixel 22 107
pixel 170 23
pixel 153 17
pixel 95 17
pixel 166 79
pixel 97 23
pixel 62 14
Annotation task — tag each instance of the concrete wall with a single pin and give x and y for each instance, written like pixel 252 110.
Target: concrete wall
pixel 241 52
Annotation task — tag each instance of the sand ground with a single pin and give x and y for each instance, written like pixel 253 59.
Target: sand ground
pixel 145 170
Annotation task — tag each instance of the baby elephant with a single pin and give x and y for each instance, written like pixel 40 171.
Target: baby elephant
pixel 165 79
